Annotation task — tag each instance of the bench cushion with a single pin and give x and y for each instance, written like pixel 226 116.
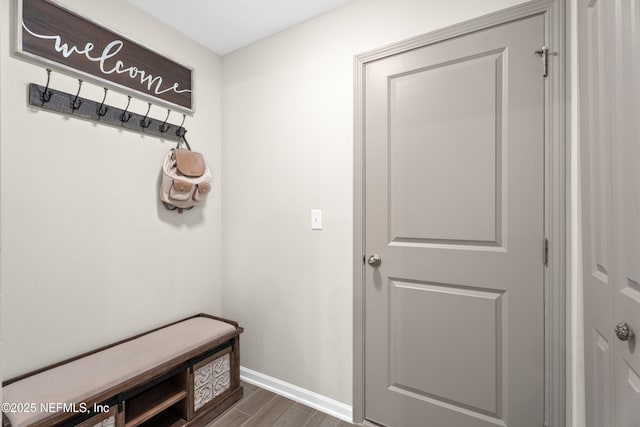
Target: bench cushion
pixel 81 379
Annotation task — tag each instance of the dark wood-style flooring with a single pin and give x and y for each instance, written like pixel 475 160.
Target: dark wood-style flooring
pixel 262 408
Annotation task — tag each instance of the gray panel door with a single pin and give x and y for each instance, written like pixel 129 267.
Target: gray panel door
pixel 454 137
pixel 609 54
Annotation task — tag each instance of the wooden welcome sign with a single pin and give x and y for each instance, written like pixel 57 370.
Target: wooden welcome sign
pixel 56 36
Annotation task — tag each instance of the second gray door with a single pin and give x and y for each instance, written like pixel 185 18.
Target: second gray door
pixel 454 137
pixel 609 54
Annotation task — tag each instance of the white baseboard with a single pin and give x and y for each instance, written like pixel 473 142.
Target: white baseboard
pixel 306 397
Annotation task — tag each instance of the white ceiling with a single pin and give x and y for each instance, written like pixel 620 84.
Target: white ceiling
pixel 226 25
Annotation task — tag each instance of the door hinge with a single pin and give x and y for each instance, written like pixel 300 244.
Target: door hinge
pixel 543 53
pixel 545 251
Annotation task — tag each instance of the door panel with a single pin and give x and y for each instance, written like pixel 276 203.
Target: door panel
pixel 598 92
pixel 601 380
pixel 444 368
pixel 454 205
pixel 628 382
pixel 455 141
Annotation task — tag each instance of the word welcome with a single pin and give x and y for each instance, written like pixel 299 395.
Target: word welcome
pixel 111 50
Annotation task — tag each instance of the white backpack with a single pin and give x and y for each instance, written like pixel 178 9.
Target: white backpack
pixel 185 179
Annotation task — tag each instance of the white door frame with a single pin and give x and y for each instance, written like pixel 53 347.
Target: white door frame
pixel 556 203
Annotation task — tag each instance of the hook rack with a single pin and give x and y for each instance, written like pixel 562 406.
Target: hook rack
pixel 65 103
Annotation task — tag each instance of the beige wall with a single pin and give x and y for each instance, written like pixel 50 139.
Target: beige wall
pixel 287 149
pixel 89 256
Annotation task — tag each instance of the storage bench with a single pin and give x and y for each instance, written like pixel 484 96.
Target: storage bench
pixel 183 374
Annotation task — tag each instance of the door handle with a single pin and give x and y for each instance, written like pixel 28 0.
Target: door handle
pixel 374 260
pixel 624 332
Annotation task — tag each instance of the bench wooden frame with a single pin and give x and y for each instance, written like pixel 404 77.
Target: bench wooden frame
pixel 176 375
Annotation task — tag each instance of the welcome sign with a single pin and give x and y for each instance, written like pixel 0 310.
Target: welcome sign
pixel 54 35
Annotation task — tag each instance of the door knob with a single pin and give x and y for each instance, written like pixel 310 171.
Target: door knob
pixel 374 260
pixel 624 332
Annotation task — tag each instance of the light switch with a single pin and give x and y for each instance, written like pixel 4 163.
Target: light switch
pixel 316 219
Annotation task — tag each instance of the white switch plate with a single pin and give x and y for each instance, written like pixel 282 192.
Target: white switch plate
pixel 316 219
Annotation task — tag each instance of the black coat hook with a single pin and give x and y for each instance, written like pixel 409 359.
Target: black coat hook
pixel 164 127
pixel 46 95
pixel 76 103
pixel 102 110
pixel 124 117
pixel 181 131
pixel 145 123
